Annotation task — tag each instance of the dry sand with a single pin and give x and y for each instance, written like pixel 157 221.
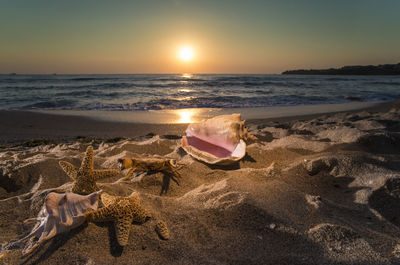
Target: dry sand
pixel 319 190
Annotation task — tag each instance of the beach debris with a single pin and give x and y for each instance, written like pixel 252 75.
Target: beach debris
pixel 85 177
pixel 396 251
pixel 60 213
pixel 122 211
pixel 162 230
pixel 271 170
pixel 219 140
pixel 168 166
pixel 314 200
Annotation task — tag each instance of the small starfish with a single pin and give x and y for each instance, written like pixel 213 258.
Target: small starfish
pixel 85 177
pixel 123 211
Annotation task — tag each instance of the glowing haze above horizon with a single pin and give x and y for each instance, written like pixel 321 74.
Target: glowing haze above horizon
pixel 83 37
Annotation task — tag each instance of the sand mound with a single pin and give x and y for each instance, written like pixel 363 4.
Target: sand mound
pixel 344 243
pixel 361 167
pixel 367 125
pixel 386 200
pixel 361 172
pixel 320 164
pixel 381 143
pixel 333 235
pixel 341 135
pixel 218 195
pixel 273 132
pixel 297 142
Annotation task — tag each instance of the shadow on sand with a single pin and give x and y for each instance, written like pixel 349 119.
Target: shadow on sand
pixel 52 246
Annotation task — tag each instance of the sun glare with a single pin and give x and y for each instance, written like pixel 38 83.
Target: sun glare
pixel 187 76
pixel 186 53
pixel 186 115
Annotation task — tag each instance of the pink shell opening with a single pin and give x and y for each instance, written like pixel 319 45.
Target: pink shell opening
pixel 210 148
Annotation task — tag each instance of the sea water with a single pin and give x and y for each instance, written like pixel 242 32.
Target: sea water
pixel 177 91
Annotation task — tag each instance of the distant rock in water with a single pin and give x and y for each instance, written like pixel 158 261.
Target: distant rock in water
pixel 383 69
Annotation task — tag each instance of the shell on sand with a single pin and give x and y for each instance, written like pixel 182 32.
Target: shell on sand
pixel 60 213
pixel 219 140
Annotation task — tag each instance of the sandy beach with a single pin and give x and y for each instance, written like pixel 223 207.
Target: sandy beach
pixel 313 189
pixel 199 132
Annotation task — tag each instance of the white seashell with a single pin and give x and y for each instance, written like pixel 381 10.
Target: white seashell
pixel 219 140
pixel 60 213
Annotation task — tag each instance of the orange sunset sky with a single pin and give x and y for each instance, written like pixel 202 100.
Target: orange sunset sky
pixel 225 36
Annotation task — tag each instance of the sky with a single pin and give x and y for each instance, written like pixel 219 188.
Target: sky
pixel 109 37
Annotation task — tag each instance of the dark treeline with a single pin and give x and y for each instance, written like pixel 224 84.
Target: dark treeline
pixel 383 69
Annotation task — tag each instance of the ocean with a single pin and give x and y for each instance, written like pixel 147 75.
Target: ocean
pixel 170 91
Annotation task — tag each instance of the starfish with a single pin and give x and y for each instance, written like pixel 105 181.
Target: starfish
pixel 85 177
pixel 123 211
pixel 162 230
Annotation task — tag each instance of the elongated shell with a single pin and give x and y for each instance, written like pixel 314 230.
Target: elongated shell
pixel 60 213
pixel 218 140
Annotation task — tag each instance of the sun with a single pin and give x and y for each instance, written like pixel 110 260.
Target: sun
pixel 186 53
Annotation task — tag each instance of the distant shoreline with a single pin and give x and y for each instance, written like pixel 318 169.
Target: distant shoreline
pixel 383 69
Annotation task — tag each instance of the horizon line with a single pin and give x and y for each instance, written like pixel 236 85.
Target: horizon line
pixel 14 73
pixel 234 73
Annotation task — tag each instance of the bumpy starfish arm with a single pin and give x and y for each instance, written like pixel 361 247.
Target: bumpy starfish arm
pixel 107 199
pixel 69 169
pixel 107 173
pixel 122 229
pixel 88 160
pixel 103 214
pixel 134 197
pixel 141 215
pixel 162 230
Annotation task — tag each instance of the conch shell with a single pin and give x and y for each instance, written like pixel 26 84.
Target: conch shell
pixel 219 140
pixel 60 213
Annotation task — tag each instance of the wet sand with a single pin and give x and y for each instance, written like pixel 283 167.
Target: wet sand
pixel 23 126
pixel 318 189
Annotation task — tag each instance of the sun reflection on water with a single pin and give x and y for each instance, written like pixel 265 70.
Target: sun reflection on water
pixel 185 90
pixel 189 115
pixel 186 75
pixel 183 98
pixel 186 115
